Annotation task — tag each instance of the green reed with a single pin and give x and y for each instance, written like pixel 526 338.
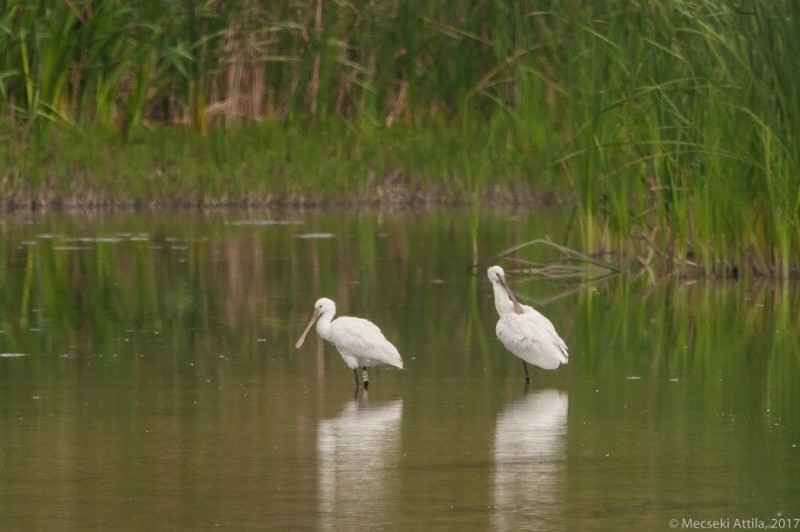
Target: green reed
pixel 683 133
pixel 672 125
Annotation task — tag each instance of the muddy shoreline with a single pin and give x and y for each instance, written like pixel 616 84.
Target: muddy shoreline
pixel 378 197
pixel 665 264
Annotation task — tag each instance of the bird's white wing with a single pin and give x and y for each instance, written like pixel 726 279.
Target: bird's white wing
pixel 362 339
pixel 540 321
pixel 531 340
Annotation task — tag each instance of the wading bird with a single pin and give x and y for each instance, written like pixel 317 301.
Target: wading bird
pixel 359 341
pixel 523 330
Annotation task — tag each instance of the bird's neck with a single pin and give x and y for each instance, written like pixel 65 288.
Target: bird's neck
pixel 324 326
pixel 502 302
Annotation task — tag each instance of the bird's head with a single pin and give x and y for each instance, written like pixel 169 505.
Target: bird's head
pixel 324 305
pixel 498 278
pixel 496 274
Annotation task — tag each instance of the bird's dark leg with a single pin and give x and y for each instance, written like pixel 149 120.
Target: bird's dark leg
pixel 355 375
pixel 366 378
pixel 527 377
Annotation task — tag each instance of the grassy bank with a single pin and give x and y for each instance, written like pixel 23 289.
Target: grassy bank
pixel 672 126
pixel 271 163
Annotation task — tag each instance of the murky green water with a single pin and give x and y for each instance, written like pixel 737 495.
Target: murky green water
pixel 160 387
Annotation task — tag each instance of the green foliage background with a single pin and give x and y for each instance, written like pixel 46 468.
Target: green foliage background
pixel 667 122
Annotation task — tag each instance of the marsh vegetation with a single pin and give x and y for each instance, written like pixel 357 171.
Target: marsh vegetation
pixel 670 127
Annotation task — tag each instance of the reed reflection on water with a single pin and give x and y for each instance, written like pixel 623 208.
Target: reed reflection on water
pixel 160 378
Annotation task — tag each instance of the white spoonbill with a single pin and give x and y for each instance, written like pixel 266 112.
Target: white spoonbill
pixel 359 341
pixel 523 330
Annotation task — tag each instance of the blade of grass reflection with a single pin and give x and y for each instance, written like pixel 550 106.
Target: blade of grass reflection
pixel 27 286
pixel 474 318
pixel 707 332
pixel 475 322
pixel 784 362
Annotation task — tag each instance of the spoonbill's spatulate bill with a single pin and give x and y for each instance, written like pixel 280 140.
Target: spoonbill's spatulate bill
pixel 360 342
pixel 523 330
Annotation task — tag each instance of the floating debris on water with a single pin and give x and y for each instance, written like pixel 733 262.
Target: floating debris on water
pixel 265 222
pixel 315 235
pixel 13 355
pixel 70 243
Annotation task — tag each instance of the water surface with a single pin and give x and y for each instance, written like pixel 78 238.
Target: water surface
pixel 156 382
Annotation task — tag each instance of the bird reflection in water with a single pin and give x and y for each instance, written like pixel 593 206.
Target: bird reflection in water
pixel 530 462
pixel 357 456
